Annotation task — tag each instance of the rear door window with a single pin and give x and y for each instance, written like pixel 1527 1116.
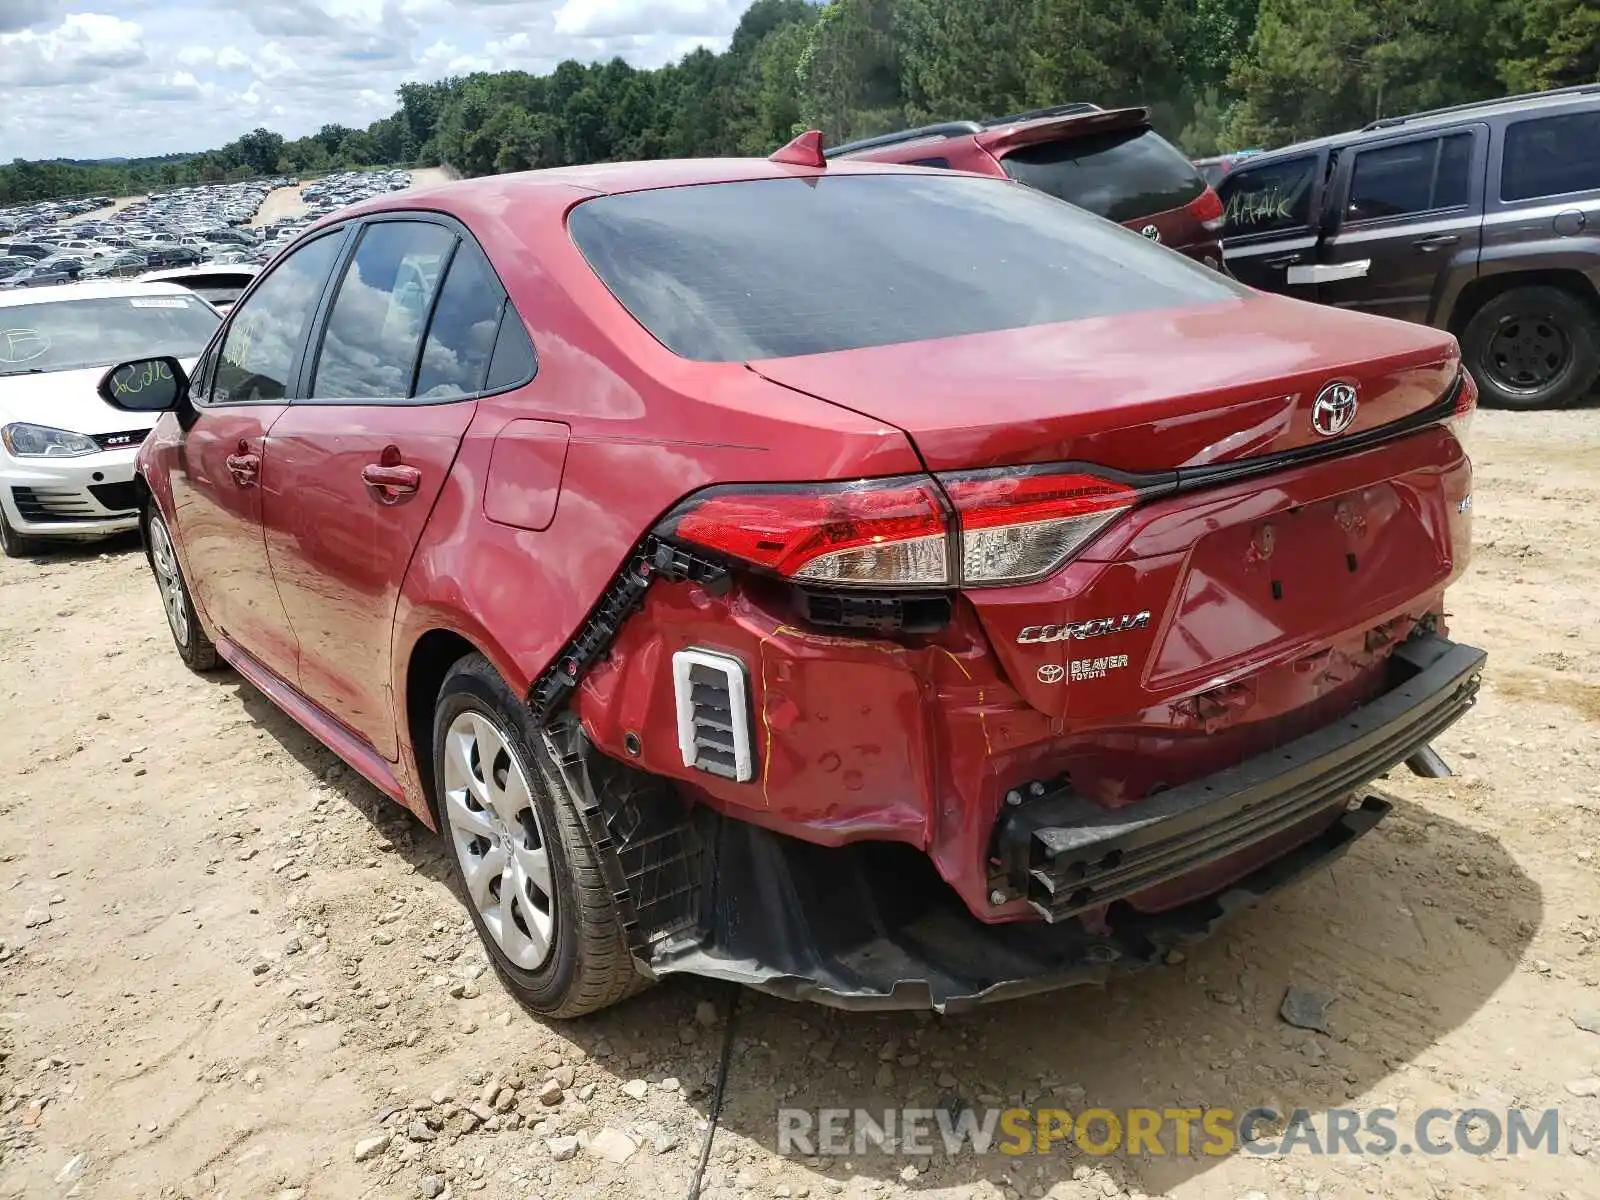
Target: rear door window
pixel 1121 175
pixel 1413 177
pixel 1551 156
pixel 1270 198
pixel 455 355
pixel 374 329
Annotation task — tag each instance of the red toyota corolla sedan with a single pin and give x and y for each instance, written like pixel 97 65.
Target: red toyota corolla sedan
pixel 877 585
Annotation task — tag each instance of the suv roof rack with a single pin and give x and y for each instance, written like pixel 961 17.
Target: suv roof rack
pixel 1577 89
pixel 946 129
pixel 1033 114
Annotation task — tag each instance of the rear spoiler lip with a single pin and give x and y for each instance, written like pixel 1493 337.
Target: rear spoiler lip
pixel 1004 138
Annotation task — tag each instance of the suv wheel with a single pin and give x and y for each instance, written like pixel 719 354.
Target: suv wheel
pixel 532 885
pixel 194 647
pixel 14 544
pixel 1533 347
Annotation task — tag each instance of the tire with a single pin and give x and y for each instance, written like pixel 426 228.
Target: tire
pixel 497 822
pixel 1533 347
pixel 14 544
pixel 188 635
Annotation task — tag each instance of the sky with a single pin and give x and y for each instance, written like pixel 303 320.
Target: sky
pixel 126 78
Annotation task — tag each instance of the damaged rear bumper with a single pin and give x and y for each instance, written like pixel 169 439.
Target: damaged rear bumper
pixel 872 926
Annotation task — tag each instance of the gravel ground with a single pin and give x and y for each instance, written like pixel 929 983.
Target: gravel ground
pixel 230 969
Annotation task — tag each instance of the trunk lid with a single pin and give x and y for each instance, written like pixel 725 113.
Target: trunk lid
pixel 1152 391
pixel 1246 596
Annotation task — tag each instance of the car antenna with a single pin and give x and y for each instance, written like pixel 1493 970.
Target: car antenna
pixel 804 151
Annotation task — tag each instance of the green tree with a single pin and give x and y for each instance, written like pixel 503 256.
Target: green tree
pixel 961 61
pixel 849 72
pixel 260 151
pixel 1552 43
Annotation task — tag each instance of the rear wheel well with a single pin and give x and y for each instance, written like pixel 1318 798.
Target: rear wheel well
pixel 431 659
pixel 1480 291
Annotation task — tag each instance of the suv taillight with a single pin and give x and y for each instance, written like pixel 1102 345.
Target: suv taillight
pixel 1012 525
pixel 1207 209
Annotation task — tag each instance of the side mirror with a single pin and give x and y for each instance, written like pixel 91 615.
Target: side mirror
pixel 145 385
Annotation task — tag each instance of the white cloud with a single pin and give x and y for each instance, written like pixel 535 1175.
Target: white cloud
pixel 82 49
pixel 137 77
pixel 630 18
pixel 19 14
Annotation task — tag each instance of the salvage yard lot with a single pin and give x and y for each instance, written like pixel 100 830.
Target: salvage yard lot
pixel 230 969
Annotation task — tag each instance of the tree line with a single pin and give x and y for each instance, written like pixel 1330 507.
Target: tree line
pixel 1216 74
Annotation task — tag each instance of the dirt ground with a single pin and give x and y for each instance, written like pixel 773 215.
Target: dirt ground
pixel 230 969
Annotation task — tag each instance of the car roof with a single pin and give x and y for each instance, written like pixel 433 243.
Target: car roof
pixel 1535 104
pixel 97 290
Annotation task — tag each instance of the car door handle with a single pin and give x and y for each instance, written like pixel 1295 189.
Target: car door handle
pixel 1429 244
pixel 391 482
pixel 245 468
pixel 1284 260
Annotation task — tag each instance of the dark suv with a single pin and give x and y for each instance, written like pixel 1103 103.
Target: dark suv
pixel 1483 219
pixel 1109 161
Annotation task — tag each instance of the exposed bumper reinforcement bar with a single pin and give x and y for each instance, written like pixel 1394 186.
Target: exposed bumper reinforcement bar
pixel 1068 855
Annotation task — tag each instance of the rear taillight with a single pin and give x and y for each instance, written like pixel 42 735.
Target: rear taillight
pixel 874 533
pixel 1012 525
pixel 1020 526
pixel 1207 209
pixel 1460 421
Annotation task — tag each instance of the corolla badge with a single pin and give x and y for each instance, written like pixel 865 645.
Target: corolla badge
pixel 1334 409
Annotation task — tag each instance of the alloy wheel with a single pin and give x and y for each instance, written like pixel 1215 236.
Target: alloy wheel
pixel 169 580
pixel 495 828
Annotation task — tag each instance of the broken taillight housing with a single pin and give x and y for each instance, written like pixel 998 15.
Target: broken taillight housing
pixel 1012 525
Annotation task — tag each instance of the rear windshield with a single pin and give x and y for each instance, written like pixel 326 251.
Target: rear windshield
pixel 1121 175
pixel 778 267
pixel 65 335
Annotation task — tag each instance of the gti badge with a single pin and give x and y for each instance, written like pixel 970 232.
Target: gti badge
pixel 1334 409
pixel 1151 232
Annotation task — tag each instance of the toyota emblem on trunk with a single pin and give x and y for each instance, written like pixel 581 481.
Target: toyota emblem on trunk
pixel 1051 673
pixel 1334 409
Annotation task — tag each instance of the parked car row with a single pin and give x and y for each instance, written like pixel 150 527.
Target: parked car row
pixel 47 212
pixel 181 228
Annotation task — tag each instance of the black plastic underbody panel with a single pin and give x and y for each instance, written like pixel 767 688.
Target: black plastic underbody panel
pixel 862 927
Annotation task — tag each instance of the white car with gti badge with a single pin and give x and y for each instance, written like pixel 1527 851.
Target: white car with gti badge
pixel 66 456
